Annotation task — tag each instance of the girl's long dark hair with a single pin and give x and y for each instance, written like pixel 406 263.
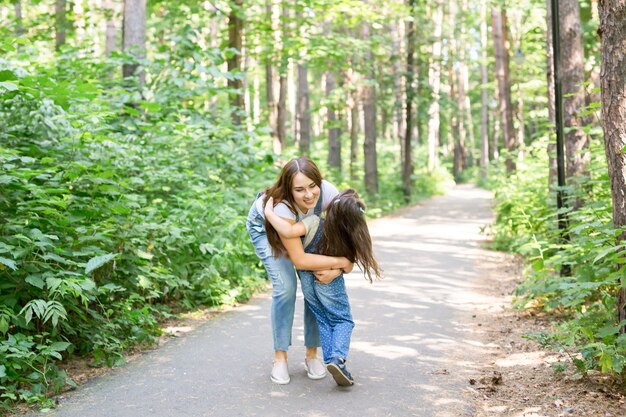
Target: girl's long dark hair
pixel 346 233
pixel 281 191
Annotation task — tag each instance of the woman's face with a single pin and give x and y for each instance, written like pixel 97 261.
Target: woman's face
pixel 305 192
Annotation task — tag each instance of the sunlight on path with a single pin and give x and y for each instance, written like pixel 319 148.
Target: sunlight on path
pixel 412 350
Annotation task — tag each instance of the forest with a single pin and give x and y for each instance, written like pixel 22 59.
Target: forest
pixel 135 134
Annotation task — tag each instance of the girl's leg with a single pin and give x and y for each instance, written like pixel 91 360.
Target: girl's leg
pixel 334 299
pixel 307 282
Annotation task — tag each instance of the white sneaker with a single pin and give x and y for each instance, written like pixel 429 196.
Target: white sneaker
pixel 280 373
pixel 314 368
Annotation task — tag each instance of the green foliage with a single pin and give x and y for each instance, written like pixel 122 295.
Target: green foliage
pixel 586 298
pixel 117 202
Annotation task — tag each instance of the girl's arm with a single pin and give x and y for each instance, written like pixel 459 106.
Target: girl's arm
pixel 283 227
pixel 311 261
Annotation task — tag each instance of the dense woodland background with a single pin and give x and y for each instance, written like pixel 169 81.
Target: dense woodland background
pixel 135 135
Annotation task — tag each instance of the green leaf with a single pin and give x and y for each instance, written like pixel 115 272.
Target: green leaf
pixel 4 326
pixel 8 262
pixel 35 280
pixel 7 75
pixel 8 86
pixel 59 346
pixel 144 255
pixel 98 261
pixel 3 372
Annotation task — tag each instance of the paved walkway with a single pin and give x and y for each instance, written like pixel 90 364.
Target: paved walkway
pixel 411 354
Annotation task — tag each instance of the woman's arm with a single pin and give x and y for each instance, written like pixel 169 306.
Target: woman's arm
pixel 282 226
pixel 311 261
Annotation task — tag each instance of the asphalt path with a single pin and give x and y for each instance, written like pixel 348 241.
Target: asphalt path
pixel 412 350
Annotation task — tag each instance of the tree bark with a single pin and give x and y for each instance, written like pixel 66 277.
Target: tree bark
pixel 552 166
pixel 19 27
pixel 270 77
pixel 484 94
pixel 434 80
pixel 111 29
pixel 235 41
pixel 303 115
pixel 501 52
pixel 573 77
pixel 613 87
pixel 334 144
pixel 352 79
pixel 60 24
pixel 465 105
pixel 134 35
pixel 407 161
pixel 369 122
pixel 281 108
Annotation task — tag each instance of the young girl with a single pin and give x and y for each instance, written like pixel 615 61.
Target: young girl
pixel 344 233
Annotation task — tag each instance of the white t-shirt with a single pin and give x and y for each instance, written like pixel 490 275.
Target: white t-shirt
pixel 329 192
pixel 311 224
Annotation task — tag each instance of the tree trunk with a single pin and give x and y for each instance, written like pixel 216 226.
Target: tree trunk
pixel 270 78
pixel 407 161
pixel 613 85
pixel 281 108
pixel 484 94
pixel 134 35
pixel 501 52
pixel 434 80
pixel 573 77
pixel 352 80
pixel 369 122
pixel 399 117
pixel 552 166
pixel 60 24
pixel 303 115
pixel 334 144
pixel 19 27
pixel 111 29
pixel 465 111
pixel 235 41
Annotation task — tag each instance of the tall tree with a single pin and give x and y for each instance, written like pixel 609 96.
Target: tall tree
pixel 134 35
pixel 573 77
pixel 434 80
pixel 407 161
pixel 484 93
pixel 369 120
pixel 303 114
pixel 505 108
pixel 552 167
pixel 19 27
pixel 465 107
pixel 352 80
pixel 613 87
pixel 283 69
pixel 334 143
pixel 111 29
pixel 270 77
pixel 60 24
pixel 235 41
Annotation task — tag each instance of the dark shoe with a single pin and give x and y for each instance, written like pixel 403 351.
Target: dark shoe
pixel 337 369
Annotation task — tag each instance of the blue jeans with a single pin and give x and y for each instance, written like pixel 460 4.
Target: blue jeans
pixel 331 307
pixel 282 275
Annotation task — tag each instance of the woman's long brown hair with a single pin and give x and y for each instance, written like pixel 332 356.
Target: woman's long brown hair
pixel 346 233
pixel 281 191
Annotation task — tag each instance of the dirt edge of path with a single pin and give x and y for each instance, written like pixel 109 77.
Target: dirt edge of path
pixel 519 378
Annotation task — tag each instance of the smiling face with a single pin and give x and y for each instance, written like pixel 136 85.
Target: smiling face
pixel 305 192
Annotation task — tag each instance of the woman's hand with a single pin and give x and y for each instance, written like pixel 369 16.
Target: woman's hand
pixel 327 276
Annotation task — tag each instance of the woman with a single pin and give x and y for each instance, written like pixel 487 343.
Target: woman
pixel 300 192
